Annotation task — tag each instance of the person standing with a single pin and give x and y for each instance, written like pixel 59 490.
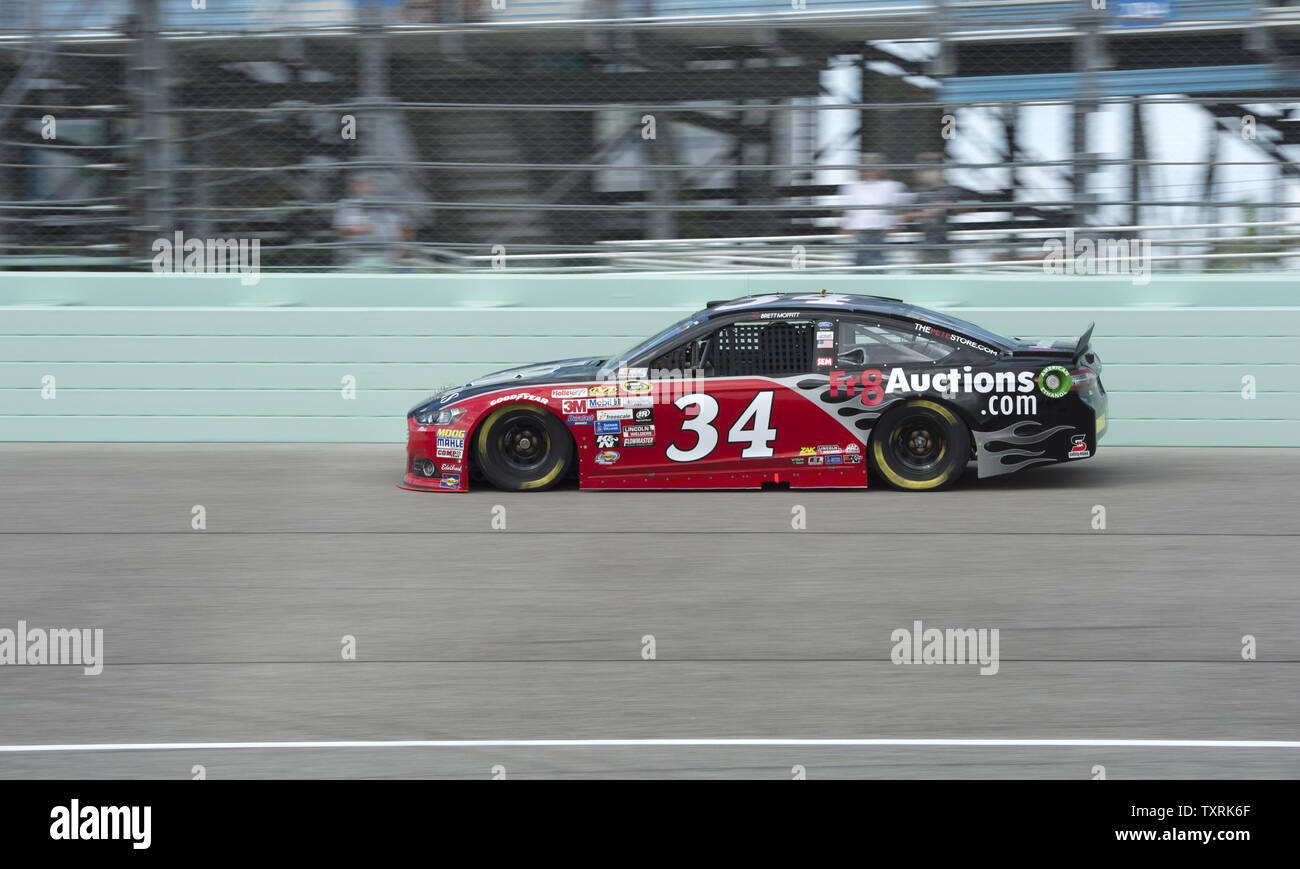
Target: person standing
pixel 869 210
pixel 934 195
pixel 374 233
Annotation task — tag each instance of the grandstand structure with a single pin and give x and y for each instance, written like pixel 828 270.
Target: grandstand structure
pixel 614 134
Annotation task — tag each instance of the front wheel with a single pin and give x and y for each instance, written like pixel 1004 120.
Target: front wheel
pixel 521 448
pixel 920 446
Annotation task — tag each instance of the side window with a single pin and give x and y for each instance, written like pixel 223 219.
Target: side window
pixel 883 342
pixel 685 356
pixel 771 348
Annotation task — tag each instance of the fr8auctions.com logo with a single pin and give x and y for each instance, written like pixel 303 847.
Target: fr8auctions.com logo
pixel 874 386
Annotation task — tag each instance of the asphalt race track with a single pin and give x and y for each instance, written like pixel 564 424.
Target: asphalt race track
pixel 463 632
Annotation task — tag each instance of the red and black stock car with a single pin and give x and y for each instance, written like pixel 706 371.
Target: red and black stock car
pixel 805 390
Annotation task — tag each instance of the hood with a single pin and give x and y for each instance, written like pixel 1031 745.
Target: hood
pixel 559 370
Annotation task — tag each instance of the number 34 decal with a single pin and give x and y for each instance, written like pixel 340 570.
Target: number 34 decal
pixel 753 428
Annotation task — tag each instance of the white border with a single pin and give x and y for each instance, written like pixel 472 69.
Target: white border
pixel 661 743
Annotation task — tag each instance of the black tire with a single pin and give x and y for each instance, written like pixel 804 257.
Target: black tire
pixel 919 446
pixel 520 448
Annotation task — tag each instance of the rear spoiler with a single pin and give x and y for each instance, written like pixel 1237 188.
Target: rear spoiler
pixel 1084 339
pixel 1080 347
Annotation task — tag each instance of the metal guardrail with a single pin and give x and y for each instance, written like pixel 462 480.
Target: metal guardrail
pixel 136 162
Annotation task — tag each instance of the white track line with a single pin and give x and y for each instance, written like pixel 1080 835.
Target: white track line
pixel 656 743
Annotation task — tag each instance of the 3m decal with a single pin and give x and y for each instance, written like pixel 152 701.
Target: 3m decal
pixel 574 406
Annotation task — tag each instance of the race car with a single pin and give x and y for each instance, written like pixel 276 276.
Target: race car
pixel 804 391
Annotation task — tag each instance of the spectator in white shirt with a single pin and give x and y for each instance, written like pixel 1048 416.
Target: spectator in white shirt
pixel 375 231
pixel 868 225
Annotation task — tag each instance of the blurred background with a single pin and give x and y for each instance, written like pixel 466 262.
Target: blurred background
pixel 616 135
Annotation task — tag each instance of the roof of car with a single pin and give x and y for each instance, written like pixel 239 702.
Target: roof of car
pixel 845 302
pixel 812 301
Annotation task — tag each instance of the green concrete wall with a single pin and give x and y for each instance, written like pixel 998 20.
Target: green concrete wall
pixel 141 357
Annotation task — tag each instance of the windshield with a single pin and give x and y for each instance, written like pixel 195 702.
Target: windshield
pixel 621 359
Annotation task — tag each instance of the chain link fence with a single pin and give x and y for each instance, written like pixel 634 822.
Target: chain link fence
pixel 597 135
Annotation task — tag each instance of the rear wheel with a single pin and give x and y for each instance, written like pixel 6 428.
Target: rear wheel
pixel 520 448
pixel 920 446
